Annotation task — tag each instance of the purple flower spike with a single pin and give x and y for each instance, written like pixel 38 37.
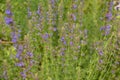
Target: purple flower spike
pixel 8 20
pixel 8 12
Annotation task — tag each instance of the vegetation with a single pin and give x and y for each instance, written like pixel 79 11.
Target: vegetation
pixel 59 40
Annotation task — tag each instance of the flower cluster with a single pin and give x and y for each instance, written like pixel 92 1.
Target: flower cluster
pixel 22 63
pixel 109 16
pixel 63 40
pixel 106 29
pixel 20 48
pixel 8 19
pixel 19 52
pixel 109 13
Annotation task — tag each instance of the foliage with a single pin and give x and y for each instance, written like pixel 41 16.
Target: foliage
pixel 59 40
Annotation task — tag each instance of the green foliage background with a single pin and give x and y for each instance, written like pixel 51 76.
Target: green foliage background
pixel 48 61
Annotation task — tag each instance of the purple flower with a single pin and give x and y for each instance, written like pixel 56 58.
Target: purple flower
pixel 45 36
pixel 8 20
pixel 18 55
pixel 19 52
pixel 20 47
pixel 14 38
pixel 62 53
pixel 38 11
pixel 109 16
pixel 74 17
pixel 53 3
pixel 62 39
pixel 23 74
pixel 8 12
pixel 100 53
pixel 64 42
pixel 106 29
pixel 111 5
pixel 102 28
pixel 30 54
pixel 100 61
pixel 20 58
pixel 74 6
pixel 71 43
pixel 31 62
pixel 12 34
pixel 107 32
pixel 54 29
pixel 20 64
